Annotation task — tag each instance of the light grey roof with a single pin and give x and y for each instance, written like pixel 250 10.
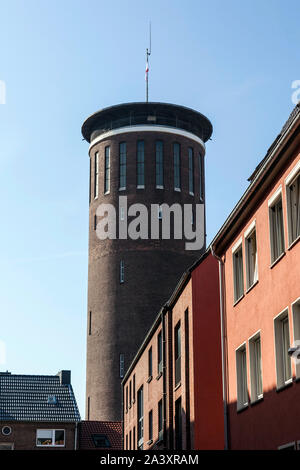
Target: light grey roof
pixel 26 398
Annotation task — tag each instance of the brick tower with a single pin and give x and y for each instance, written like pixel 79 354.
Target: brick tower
pixel 153 153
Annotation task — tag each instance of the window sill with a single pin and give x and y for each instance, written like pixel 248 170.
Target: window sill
pixel 288 384
pixel 159 376
pixel 177 386
pixel 122 189
pixel 294 243
pixel 277 260
pixel 240 409
pixel 149 442
pixel 106 193
pixel 159 187
pixel 140 186
pixel 258 400
pixel 251 287
pixel 191 194
pixel 238 300
pixel 149 379
pixel 95 199
pixel 178 190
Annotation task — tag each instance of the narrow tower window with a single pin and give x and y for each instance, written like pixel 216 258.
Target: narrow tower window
pixel 122 271
pixel 176 151
pixel 96 172
pixel 122 176
pixel 140 164
pixel 90 322
pixel 122 366
pixel 191 171
pixel 201 177
pixel 159 353
pixel 159 165
pixel 140 435
pixel 177 335
pixel 107 170
pixel 90 196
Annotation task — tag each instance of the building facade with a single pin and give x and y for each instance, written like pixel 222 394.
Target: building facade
pixel 147 153
pixel 38 412
pixel 259 253
pixel 172 391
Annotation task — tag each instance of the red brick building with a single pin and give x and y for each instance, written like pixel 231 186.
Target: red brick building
pixel 37 412
pixel 259 254
pixel 172 391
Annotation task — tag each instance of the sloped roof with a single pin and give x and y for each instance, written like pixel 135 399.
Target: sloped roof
pixel 36 398
pixel 111 429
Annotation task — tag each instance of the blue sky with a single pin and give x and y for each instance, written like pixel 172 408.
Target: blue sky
pixel 63 60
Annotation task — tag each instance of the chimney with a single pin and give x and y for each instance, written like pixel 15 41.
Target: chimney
pixel 64 377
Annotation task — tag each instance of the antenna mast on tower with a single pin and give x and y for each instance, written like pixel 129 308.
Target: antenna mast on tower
pixel 148 53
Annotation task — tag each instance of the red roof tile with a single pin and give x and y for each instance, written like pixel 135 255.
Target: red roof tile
pixel 111 429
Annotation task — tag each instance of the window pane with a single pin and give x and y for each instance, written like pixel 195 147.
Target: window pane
pixel 60 438
pixel 122 182
pixel 140 163
pixel 159 164
pixel 96 172
pixel 176 151
pixel 201 177
pixel 191 170
pixel 285 348
pixel 107 170
pixel 44 437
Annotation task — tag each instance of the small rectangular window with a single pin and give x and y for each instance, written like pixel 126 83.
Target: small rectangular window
pixel 159 165
pixel 150 362
pixel 95 222
pixel 159 353
pixel 107 170
pixel 160 420
pixel 191 171
pixel 282 345
pixel 293 202
pixel 177 338
pixel 177 166
pixel 238 275
pixel 122 368
pixel 140 164
pixel 251 259
pixel 140 435
pixel 122 271
pixel 90 323
pixel 255 368
pixel 122 170
pixel 241 375
pixel 276 230
pixel 50 437
pixel 150 425
pixel 96 173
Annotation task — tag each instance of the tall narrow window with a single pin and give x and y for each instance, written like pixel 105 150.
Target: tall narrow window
pixel 122 171
pixel 150 422
pixel 150 362
pixel 251 259
pixel 122 271
pixel 140 435
pixel 159 164
pixel 178 425
pixel 130 394
pixel 255 368
pixel 160 420
pixel 133 388
pixel 96 174
pixel 95 222
pixel 88 407
pixel 133 443
pixel 282 345
pixel 140 164
pixel 122 368
pixel 159 353
pixel 241 373
pixel 90 322
pixel 177 337
pixel 176 152
pixel 191 171
pixel 130 440
pixel 296 323
pixel 107 170
pixel 201 177
pixel 127 398
pixel 238 276
pixel 293 201
pixel 276 230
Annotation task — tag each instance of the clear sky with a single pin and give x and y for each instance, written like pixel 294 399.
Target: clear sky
pixel 61 61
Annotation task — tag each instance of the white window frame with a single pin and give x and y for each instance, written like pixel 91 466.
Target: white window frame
pixel 241 375
pixel 274 199
pixel 296 328
pixel 247 235
pixel 237 247
pixel 107 177
pixel 290 179
pixel 281 381
pixel 96 175
pixel 53 438
pixel 254 395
